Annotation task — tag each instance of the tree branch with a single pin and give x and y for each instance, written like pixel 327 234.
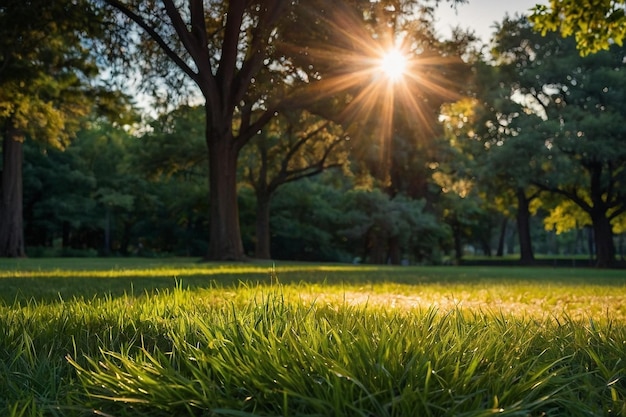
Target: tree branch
pixel 230 46
pixel 569 194
pixel 155 37
pixel 299 144
pixel 260 38
pixel 247 132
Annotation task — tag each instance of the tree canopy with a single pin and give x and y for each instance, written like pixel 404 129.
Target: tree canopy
pixel 595 25
pixel 46 67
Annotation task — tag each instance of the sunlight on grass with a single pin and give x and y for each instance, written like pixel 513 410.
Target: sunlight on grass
pixel 32 270
pixel 304 340
pixel 537 292
pixel 270 350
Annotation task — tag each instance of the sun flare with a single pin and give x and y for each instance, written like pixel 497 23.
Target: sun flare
pixel 393 64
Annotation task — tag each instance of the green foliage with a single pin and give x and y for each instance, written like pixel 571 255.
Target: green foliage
pixel 373 219
pixel 558 116
pixel 45 67
pixel 305 218
pixel 595 25
pixel 58 191
pixel 314 220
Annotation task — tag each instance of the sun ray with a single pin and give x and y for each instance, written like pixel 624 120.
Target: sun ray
pixel 374 74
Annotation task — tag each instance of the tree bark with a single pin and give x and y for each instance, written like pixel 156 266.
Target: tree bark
pixel 11 216
pixel 523 227
pixel 603 233
pixel 225 242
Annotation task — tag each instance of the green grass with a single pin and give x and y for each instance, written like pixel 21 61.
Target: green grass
pixel 179 338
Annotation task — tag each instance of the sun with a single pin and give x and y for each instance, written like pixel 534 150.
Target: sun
pixel 393 64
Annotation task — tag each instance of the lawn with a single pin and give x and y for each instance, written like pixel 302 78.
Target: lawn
pixel 176 337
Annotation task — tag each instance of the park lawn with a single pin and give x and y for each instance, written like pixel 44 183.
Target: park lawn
pixel 175 337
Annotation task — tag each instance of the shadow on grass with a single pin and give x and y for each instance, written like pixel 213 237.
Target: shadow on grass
pixel 30 283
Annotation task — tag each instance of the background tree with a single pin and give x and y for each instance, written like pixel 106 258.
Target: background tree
pixel 373 219
pixel 305 218
pixel 506 119
pixel 107 152
pixel 293 146
pixel 46 68
pixel 58 203
pixel 576 151
pixel 171 157
pixel 594 25
pixel 586 140
pixel 248 60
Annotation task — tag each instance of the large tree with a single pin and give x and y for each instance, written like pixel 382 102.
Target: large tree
pixel 249 60
pixel 578 151
pixel 587 138
pixel 507 116
pixel 45 67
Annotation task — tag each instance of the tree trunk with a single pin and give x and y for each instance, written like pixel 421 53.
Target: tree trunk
pixel 262 248
pixel 500 252
pixel 376 246
pixel 458 243
pixel 603 233
pixel 224 232
pixel 523 228
pixel 395 254
pixel 11 220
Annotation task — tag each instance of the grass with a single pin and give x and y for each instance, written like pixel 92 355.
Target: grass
pixel 180 338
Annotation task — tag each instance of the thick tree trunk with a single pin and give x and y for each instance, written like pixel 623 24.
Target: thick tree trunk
pixel 225 234
pixel 523 228
pixel 263 242
pixel 11 220
pixel 603 233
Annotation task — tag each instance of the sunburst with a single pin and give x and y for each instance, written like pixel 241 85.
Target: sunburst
pixel 376 73
pixel 393 64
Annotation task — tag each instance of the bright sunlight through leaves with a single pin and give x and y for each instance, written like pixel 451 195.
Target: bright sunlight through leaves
pixel 393 64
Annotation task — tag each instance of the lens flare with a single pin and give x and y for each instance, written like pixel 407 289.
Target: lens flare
pixel 369 77
pixel 393 64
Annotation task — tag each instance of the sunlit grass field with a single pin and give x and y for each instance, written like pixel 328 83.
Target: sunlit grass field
pixel 176 337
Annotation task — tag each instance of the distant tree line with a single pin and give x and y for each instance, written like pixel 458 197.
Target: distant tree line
pixel 296 155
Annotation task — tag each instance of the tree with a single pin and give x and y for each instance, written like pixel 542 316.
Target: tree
pixel 107 153
pixel 595 25
pixel 172 157
pixel 505 129
pixel 577 152
pixel 45 67
pixel 586 136
pixel 305 219
pixel 229 51
pixel 375 222
pixel 250 60
pixel 293 146
pixel 58 188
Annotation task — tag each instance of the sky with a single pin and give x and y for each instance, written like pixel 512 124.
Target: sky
pixel 480 15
